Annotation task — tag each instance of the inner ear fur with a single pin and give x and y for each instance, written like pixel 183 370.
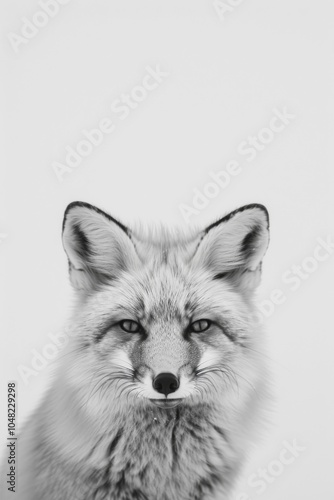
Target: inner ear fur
pixel 98 247
pixel 235 245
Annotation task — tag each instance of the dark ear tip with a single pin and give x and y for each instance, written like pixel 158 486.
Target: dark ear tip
pixel 263 208
pixel 83 204
pixel 252 206
pixel 238 210
pixel 71 205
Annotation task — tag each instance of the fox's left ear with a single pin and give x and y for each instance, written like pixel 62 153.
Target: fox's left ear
pixel 98 247
pixel 235 245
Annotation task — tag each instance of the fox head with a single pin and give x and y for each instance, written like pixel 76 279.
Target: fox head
pixel 163 318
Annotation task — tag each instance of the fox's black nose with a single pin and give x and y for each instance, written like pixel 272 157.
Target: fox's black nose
pixel 166 383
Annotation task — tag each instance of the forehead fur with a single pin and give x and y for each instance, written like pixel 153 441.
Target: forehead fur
pixel 159 243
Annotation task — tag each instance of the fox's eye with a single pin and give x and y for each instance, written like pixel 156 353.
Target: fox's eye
pixel 130 326
pixel 200 326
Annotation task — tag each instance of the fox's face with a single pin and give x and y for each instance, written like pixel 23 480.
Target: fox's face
pixel 163 319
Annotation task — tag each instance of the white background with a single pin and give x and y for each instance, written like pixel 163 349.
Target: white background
pixel 225 78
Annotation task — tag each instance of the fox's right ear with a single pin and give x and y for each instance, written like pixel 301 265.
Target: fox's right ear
pixel 98 247
pixel 235 245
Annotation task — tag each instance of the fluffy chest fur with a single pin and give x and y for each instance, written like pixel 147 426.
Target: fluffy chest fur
pixel 179 454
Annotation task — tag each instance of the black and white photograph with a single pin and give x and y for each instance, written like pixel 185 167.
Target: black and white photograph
pixel 167 250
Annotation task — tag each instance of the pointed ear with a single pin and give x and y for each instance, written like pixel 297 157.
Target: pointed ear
pixel 235 245
pixel 98 247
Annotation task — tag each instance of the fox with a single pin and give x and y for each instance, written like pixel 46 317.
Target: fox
pixel 161 390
